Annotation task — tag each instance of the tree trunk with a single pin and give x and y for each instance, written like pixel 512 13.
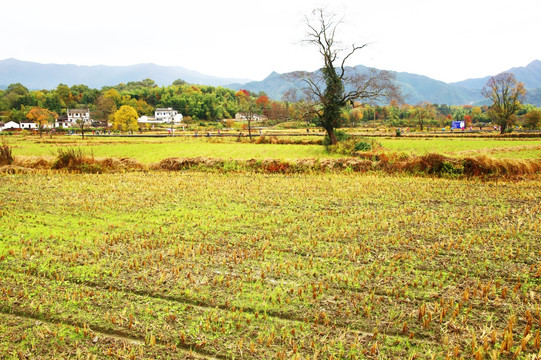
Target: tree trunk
pixel 250 129
pixel 503 127
pixel 332 136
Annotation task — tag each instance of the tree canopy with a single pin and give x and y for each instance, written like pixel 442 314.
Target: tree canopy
pixel 41 117
pixel 336 86
pixel 507 96
pixel 125 119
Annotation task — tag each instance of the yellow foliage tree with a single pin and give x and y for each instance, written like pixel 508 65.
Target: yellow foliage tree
pixel 125 119
pixel 113 94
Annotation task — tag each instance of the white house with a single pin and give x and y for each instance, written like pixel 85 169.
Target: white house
pixel 255 117
pixel 167 115
pixel 9 125
pixel 75 115
pixel 29 126
pixel 162 116
pixel 62 121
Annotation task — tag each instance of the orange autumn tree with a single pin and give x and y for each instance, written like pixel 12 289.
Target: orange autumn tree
pixel 467 120
pixel 41 117
pixel 263 101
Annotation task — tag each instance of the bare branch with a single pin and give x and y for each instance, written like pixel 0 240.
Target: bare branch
pixel 332 88
pixel 354 48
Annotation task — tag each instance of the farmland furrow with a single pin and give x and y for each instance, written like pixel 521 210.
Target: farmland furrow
pixel 98 336
pixel 207 306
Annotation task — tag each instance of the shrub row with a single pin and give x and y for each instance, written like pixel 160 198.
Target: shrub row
pixel 74 160
pixel 431 164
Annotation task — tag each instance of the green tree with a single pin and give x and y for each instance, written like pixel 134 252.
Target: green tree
pixel 53 103
pixel 125 119
pixel 66 98
pixel 335 86
pixel 14 95
pixel 179 82
pixel 17 88
pixel 18 115
pixel 507 96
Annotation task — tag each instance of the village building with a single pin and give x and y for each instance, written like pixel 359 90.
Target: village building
pixel 10 125
pixel 29 126
pixel 62 122
pixel 162 116
pixel 255 117
pixel 167 115
pixel 75 115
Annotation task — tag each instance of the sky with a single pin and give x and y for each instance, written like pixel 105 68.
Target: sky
pixel 445 40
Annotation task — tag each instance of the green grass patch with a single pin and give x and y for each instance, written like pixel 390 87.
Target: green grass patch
pixel 148 150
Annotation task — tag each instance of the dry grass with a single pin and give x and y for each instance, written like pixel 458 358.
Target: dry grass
pixel 34 162
pixel 175 164
pixel 430 164
pixel 485 165
pixel 122 164
pixel 15 169
pixel 6 157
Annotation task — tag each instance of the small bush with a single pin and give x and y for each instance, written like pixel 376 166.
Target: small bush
pixel 6 157
pixel 70 158
pixel 352 147
pixel 448 168
pixel 74 159
pixel 363 146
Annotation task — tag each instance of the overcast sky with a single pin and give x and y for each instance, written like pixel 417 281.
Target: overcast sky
pixel 445 40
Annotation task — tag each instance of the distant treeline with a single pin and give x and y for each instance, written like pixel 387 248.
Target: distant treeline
pixel 202 102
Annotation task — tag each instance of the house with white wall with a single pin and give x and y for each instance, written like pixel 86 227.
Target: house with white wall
pixel 255 117
pixel 162 116
pixel 10 125
pixel 29 126
pixel 62 121
pixel 75 115
pixel 167 115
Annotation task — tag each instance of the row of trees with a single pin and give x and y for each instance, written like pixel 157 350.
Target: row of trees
pixel 197 102
pixel 435 115
pixel 17 103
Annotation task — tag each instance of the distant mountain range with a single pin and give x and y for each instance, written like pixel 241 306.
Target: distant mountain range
pixel 418 88
pixel 415 88
pixel 48 76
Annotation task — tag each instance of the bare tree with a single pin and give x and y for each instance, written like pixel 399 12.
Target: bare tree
pixel 81 124
pixel 336 86
pixel 423 112
pixel 507 96
pixel 248 108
